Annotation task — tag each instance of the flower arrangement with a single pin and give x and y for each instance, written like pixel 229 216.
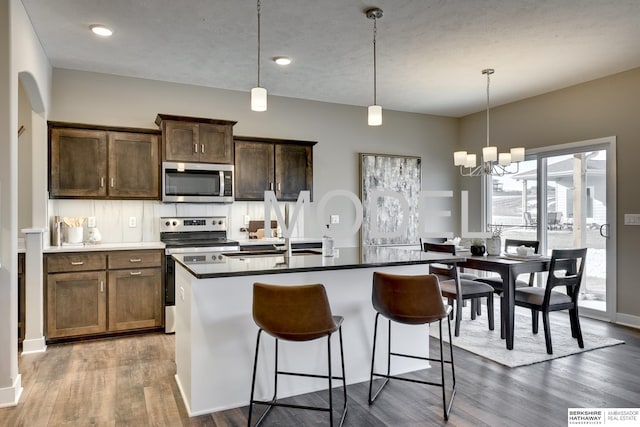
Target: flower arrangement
pixel 495 229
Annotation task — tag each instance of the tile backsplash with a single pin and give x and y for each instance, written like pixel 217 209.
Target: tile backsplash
pixel 112 216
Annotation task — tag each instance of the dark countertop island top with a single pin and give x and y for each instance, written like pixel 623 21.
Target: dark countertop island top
pixel 345 258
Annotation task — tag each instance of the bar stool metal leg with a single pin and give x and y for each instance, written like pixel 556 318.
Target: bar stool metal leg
pixel 273 402
pixel 446 407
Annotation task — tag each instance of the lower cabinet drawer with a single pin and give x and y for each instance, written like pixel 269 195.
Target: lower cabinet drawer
pixel 76 262
pixel 135 259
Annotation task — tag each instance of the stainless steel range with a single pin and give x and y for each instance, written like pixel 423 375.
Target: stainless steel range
pixel 194 240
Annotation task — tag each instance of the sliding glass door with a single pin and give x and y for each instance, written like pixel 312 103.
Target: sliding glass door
pixel 564 196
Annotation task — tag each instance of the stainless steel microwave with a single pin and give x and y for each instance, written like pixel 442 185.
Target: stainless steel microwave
pixel 197 182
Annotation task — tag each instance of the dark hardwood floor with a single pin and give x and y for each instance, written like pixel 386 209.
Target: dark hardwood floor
pixel 129 381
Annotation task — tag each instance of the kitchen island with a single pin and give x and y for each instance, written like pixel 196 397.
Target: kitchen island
pixel 215 331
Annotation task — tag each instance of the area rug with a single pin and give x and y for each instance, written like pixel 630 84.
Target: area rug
pixel 528 348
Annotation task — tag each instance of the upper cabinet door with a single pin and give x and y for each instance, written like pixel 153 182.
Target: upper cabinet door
pixel 196 139
pixel 181 141
pixel 216 143
pixel 254 170
pixel 134 165
pixel 294 170
pixel 281 165
pixel 78 166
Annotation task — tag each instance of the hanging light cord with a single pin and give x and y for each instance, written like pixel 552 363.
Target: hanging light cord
pixel 375 30
pixel 488 78
pixel 258 7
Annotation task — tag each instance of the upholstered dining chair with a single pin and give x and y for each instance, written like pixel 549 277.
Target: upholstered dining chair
pixel 295 313
pixel 566 270
pixel 454 288
pixel 410 300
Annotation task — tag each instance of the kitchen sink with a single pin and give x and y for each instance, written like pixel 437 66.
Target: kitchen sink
pixel 270 253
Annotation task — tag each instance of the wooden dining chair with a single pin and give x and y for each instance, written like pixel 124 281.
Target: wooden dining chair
pixel 565 270
pixel 461 272
pixel 454 288
pixel 509 246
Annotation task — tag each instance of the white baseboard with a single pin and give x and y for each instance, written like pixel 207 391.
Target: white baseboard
pixel 10 396
pixel 36 345
pixel 628 320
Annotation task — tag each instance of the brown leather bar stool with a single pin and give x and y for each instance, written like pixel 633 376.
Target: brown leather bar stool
pixel 295 313
pixel 411 300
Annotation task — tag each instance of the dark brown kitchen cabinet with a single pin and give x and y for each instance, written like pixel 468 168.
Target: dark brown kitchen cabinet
pixel 135 290
pixel 97 162
pixel 196 140
pixel 101 293
pixel 76 294
pixel 134 164
pixel 283 166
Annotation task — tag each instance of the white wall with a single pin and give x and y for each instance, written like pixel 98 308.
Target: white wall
pixel 341 132
pixel 25 153
pixel 21 57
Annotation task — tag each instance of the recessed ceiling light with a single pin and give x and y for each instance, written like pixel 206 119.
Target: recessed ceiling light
pixel 101 30
pixel 282 60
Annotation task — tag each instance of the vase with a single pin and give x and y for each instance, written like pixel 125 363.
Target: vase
pixel 494 245
pixel 477 250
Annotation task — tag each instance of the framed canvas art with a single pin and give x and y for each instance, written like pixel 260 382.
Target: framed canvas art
pixel 390 191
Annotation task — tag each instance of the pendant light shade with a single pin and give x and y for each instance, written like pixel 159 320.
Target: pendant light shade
pixel 258 94
pixel 375 115
pixel 375 110
pixel 259 99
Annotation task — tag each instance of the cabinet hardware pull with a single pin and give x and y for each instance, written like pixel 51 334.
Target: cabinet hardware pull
pixel 202 148
pixel 113 182
pixel 135 260
pixel 101 285
pixel 135 273
pixel 102 182
pixel 77 262
pixel 271 186
pixel 278 186
pixel 195 148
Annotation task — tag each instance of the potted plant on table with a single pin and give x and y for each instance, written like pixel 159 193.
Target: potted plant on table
pixel 477 247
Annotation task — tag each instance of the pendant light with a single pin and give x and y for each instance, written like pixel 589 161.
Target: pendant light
pixel 258 94
pixel 492 163
pixel 375 110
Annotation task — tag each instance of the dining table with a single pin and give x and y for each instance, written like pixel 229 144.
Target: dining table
pixel 508 267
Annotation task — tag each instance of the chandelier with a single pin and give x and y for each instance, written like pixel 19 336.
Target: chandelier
pixel 493 163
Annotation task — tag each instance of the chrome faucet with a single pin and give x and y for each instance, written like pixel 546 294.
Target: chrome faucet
pixel 287 241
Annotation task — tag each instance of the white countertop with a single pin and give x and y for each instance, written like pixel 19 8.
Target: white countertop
pixel 122 246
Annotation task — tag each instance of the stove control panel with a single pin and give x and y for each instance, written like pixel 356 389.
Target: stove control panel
pixel 182 224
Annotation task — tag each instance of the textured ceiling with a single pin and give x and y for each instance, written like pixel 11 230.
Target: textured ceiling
pixel 430 52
